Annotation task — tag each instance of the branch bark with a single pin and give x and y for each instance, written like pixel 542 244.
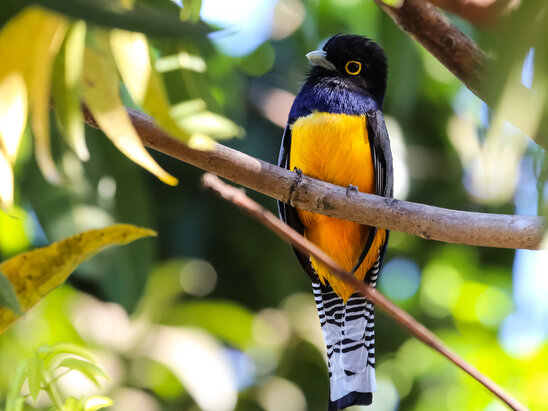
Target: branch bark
pixel 424 23
pixel 238 198
pixel 461 56
pixel 432 223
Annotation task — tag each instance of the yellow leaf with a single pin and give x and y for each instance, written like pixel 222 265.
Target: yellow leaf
pixel 44 40
pixel 133 59
pixel 100 87
pixel 13 102
pixel 6 182
pixel 66 81
pixel 97 402
pixel 13 113
pixel 212 124
pixel 35 273
pixel 29 53
pixel 201 142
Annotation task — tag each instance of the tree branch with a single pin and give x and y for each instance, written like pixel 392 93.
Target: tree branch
pixel 442 39
pixel 461 56
pixel 433 223
pixel 238 198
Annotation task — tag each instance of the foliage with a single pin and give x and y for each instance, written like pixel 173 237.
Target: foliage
pixel 86 66
pixel 217 315
pixel 33 274
pixel 43 372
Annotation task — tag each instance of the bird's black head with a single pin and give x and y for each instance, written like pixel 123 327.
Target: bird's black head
pixel 353 62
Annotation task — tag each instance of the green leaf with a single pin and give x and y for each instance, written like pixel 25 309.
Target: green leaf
pixel 35 376
pixel 14 402
pixel 90 370
pixel 140 18
pixel 393 3
pixel 73 404
pixel 97 402
pixel 13 234
pixel 44 350
pixel 191 10
pixel 64 348
pixel 69 348
pixel 8 298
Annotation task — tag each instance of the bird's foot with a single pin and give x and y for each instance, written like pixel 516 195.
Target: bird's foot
pixel 351 189
pixel 298 171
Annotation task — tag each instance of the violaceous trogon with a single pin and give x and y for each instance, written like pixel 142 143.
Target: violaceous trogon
pixel 336 133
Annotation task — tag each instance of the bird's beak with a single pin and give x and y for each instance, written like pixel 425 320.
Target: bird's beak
pixel 319 58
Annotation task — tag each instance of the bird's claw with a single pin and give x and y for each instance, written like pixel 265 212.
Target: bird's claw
pixel 298 171
pixel 351 189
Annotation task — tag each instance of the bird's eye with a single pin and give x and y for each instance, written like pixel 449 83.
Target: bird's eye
pixel 353 67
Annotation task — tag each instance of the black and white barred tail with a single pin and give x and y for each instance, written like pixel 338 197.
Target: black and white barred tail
pixel 349 335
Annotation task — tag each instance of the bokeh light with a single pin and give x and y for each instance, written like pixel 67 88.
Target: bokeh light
pixel 400 279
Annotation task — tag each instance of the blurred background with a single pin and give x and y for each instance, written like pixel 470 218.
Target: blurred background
pixel 215 314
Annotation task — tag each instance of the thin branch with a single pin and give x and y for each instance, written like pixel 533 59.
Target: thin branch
pixel 238 198
pixel 433 223
pixel 461 56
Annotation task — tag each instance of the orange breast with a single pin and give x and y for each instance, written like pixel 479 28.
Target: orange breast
pixel 335 148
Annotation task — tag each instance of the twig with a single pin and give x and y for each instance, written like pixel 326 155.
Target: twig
pixel 433 223
pixel 238 198
pixel 460 55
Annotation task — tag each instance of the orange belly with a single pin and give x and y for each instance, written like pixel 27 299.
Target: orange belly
pixel 335 148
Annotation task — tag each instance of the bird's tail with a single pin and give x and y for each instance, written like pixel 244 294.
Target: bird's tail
pixel 349 337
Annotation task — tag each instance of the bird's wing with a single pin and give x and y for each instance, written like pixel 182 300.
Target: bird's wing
pixel 382 156
pixel 283 161
pixel 379 143
pixel 288 214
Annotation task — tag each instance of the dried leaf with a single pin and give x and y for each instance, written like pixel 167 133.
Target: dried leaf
pixel 35 273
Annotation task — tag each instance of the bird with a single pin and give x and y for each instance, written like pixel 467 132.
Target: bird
pixel 336 133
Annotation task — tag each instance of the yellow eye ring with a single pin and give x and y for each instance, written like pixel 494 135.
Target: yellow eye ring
pixel 351 69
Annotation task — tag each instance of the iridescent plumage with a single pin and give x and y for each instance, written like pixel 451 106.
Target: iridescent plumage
pixel 336 133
